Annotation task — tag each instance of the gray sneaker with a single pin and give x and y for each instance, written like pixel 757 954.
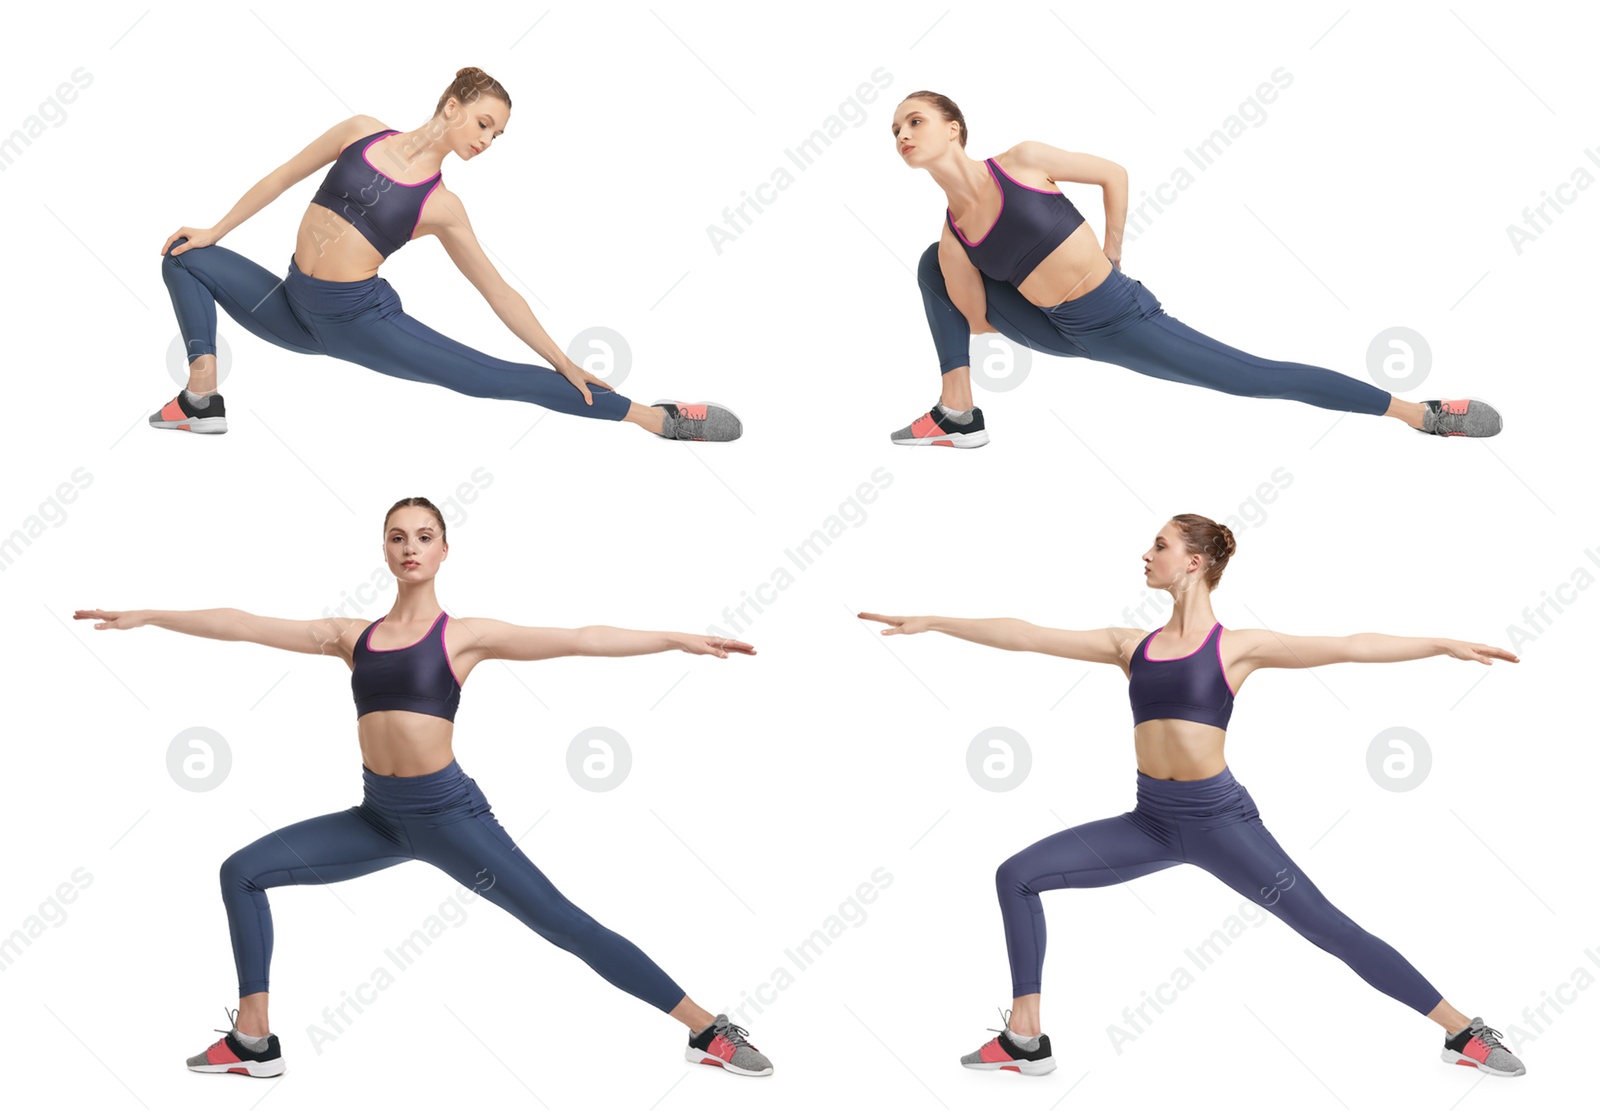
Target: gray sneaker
pixel 1460 418
pixel 1007 1052
pixel 724 1044
pixel 706 421
pixel 1480 1046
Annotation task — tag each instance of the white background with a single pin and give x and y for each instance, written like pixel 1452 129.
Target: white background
pixel 1377 192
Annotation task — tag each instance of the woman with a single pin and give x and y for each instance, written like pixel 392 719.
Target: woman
pixel 406 674
pixel 1015 253
pixel 384 189
pixel 1182 679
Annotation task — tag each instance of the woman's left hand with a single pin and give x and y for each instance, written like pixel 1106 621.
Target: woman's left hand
pixel 581 379
pixel 717 647
pixel 1477 651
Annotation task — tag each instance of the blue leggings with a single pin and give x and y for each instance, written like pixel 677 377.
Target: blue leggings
pixel 1212 824
pixel 440 818
pixel 358 321
pixel 1122 323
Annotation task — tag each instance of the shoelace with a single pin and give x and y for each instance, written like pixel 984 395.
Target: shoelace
pixel 1489 1037
pixel 1005 1021
pixel 233 1021
pixel 735 1034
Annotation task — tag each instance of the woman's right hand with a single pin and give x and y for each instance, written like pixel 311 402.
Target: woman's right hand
pixel 197 238
pixel 900 624
pixel 984 328
pixel 113 620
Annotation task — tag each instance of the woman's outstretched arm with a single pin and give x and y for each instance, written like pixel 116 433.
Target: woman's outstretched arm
pixel 319 153
pixel 313 635
pixel 507 641
pixel 1267 649
pixel 1103 646
pixel 444 216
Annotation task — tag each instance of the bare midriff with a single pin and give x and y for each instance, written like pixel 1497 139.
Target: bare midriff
pixel 405 744
pixel 1179 748
pixel 1074 268
pixel 329 248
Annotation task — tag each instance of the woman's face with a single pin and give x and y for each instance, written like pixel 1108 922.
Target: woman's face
pixel 1166 562
pixel 920 133
pixel 474 127
pixel 413 546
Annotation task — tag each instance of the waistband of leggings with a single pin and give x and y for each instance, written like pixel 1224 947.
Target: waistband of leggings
pixel 421 791
pixel 329 285
pixel 1116 286
pixel 1204 793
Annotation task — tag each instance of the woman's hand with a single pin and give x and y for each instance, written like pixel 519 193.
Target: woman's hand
pixel 717 647
pixel 581 379
pixel 113 620
pixel 197 238
pixel 984 327
pixel 1477 651
pixel 900 624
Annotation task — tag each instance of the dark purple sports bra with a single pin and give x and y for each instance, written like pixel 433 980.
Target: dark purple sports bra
pixel 385 210
pixel 1192 687
pixel 1032 222
pixel 413 678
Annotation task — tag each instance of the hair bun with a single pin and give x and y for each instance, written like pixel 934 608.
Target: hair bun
pixel 1228 542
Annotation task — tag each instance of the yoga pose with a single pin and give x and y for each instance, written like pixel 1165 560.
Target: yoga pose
pixel 406 674
pixel 1182 680
pixel 1032 270
pixel 386 188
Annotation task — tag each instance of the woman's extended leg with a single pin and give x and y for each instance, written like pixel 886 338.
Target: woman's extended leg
pixel 1245 856
pixel 325 849
pixel 390 341
pixel 473 849
pixel 1140 336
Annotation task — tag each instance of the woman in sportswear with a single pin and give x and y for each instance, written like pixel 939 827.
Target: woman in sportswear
pixel 406 674
pixel 1016 257
pixel 1182 679
pixel 384 189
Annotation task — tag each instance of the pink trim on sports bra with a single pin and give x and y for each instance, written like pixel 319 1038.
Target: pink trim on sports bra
pixel 1185 657
pixel 1220 667
pixel 425 198
pixel 419 641
pixel 448 664
pixel 391 178
pixel 1024 186
pixel 997 217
